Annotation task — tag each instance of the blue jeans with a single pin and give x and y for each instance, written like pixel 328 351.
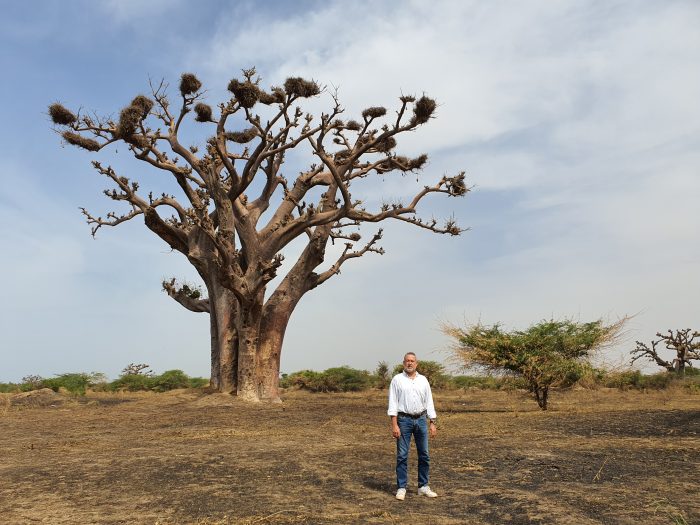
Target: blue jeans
pixel 418 428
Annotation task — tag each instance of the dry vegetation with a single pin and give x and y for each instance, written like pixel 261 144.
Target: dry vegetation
pixel 601 456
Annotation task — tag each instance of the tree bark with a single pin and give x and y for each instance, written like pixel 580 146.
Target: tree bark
pixel 224 339
pixel 272 329
pixel 541 394
pixel 249 322
pixel 215 376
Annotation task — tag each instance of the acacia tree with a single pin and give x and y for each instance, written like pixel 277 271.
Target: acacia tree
pixel 548 354
pixel 237 211
pixel 685 343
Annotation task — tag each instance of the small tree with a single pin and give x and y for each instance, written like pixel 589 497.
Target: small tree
pixel 548 354
pixel 382 375
pixel 683 342
pixel 137 369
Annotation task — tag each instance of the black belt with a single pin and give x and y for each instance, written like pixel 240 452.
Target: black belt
pixel 414 416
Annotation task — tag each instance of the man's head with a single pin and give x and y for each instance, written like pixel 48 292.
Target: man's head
pixel 410 363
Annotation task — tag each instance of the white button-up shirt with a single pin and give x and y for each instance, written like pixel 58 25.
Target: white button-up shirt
pixel 410 395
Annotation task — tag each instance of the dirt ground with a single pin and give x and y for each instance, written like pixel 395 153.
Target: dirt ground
pixel 599 456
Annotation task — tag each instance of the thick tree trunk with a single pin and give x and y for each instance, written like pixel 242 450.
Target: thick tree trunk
pixel 249 321
pixel 215 376
pixel 250 333
pixel 272 329
pixel 224 340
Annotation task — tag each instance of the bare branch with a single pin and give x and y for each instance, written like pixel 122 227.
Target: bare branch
pixel 643 351
pixel 348 254
pixel 187 296
pixel 112 219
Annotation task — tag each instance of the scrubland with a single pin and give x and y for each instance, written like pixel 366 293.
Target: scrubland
pixel 184 456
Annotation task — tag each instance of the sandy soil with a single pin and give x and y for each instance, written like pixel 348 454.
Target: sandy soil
pixel 185 457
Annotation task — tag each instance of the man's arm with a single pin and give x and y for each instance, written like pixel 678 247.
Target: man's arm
pixel 393 408
pixel 395 431
pixel 430 409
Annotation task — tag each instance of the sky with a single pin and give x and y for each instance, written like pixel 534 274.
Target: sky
pixel 576 122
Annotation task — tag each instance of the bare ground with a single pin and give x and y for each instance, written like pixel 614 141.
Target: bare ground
pixel 597 457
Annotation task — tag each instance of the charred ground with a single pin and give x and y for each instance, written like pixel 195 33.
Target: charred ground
pixel 600 456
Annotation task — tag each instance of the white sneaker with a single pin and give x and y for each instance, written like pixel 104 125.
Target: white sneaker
pixel 425 491
pixel 400 494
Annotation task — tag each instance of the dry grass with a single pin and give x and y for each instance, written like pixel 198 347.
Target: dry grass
pixel 600 456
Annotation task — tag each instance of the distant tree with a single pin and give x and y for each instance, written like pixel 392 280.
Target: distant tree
pixel 237 212
pixel 685 343
pixel 548 354
pixel 382 375
pixel 137 369
pixel 32 382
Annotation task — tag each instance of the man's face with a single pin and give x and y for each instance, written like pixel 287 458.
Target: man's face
pixel 410 363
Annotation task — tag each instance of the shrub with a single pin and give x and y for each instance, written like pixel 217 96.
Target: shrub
pixel 9 388
pixel 482 382
pixel 691 371
pixel 75 383
pixel 131 383
pixel 657 381
pixel 338 379
pixel 432 370
pixel 344 379
pixel 622 380
pixel 627 379
pixel 169 380
pixel 302 379
pixel 198 382
pixel 31 382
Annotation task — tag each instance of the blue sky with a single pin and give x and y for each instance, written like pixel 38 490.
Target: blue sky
pixel 578 124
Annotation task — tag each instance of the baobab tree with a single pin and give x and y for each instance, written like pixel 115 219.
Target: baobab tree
pixel 236 211
pixel 684 342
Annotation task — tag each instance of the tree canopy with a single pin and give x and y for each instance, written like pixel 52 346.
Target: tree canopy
pixel 548 353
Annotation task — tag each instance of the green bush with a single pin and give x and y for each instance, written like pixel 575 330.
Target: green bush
pixel 691 371
pixel 302 379
pixel 432 370
pixel 131 383
pixel 622 380
pixel 9 388
pixel 198 382
pixel 75 383
pixel 658 381
pixel 627 379
pixel 338 379
pixel 345 379
pixel 482 382
pixel 169 380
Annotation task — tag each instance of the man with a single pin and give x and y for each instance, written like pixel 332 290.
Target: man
pixel 410 401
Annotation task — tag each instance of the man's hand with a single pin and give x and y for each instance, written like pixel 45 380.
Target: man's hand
pixel 432 430
pixel 395 432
